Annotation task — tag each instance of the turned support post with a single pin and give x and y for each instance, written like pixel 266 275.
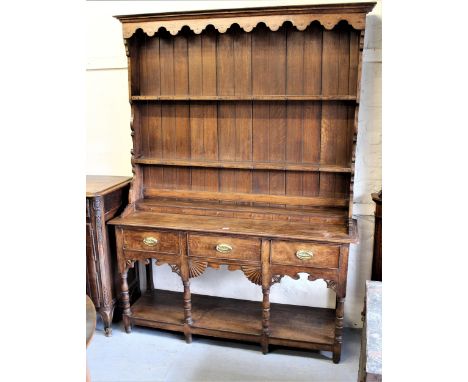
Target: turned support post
pixel 185 275
pixel 149 277
pixel 265 319
pixel 126 302
pixel 266 283
pixel 338 329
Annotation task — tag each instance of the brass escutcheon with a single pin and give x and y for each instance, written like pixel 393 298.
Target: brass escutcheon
pixel 302 254
pixel 223 248
pixel 150 241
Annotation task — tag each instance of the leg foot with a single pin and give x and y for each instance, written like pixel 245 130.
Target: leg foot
pixel 127 324
pixel 265 344
pixel 336 357
pixel 187 332
pixel 106 315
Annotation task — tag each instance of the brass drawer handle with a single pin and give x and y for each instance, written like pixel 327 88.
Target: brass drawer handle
pixel 150 241
pixel 223 248
pixel 302 254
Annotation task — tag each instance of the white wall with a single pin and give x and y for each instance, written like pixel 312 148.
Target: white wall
pixel 109 144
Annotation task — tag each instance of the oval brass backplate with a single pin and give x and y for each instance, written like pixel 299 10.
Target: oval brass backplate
pixel 223 248
pixel 150 241
pixel 302 254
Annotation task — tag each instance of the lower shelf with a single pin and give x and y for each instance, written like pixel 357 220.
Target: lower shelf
pixel 290 325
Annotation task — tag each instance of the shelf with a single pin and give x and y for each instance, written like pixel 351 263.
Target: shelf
pixel 245 165
pixel 221 317
pixel 279 97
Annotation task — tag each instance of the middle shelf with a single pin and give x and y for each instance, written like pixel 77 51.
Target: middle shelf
pixel 245 97
pixel 248 165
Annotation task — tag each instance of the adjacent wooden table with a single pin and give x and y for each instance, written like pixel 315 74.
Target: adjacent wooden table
pixel 105 198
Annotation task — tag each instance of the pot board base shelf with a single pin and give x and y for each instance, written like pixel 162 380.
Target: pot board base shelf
pixel 290 325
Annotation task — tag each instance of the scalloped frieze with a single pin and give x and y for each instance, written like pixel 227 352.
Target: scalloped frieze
pixel 332 284
pixel 247 23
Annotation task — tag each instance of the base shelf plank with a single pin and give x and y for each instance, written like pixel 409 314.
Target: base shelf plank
pixel 290 325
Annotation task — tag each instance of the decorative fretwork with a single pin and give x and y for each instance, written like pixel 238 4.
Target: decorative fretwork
pixel 332 284
pixel 253 273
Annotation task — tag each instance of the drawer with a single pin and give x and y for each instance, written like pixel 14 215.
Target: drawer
pixel 305 254
pixel 224 247
pixel 151 241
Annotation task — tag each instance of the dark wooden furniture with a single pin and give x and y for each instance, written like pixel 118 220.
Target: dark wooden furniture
pixel 377 255
pixel 244 128
pixel 370 362
pixel 105 198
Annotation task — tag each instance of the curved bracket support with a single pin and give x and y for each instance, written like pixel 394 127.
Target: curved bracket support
pixel 331 284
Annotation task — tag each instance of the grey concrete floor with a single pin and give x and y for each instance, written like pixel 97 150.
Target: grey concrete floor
pixel 150 355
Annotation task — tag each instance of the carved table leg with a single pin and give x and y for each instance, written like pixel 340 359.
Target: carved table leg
pixel 126 302
pixel 338 329
pixel 107 312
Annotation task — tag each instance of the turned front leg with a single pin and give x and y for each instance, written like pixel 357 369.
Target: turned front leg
pixel 187 311
pixel 338 329
pixel 265 319
pixel 185 276
pixel 126 302
pixel 266 283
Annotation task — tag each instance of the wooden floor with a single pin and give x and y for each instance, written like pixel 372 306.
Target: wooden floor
pixel 220 317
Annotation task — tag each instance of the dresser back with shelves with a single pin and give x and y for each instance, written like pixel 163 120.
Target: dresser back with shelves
pixel 265 112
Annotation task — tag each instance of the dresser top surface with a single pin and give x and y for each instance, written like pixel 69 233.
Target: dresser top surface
pixel 333 233
pixel 98 185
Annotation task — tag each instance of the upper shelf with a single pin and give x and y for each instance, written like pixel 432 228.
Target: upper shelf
pixel 328 15
pixel 282 97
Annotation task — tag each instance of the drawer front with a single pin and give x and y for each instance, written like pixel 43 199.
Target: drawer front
pixel 224 247
pixel 305 254
pixel 151 241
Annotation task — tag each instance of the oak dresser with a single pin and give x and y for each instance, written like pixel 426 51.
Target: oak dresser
pixel 244 126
